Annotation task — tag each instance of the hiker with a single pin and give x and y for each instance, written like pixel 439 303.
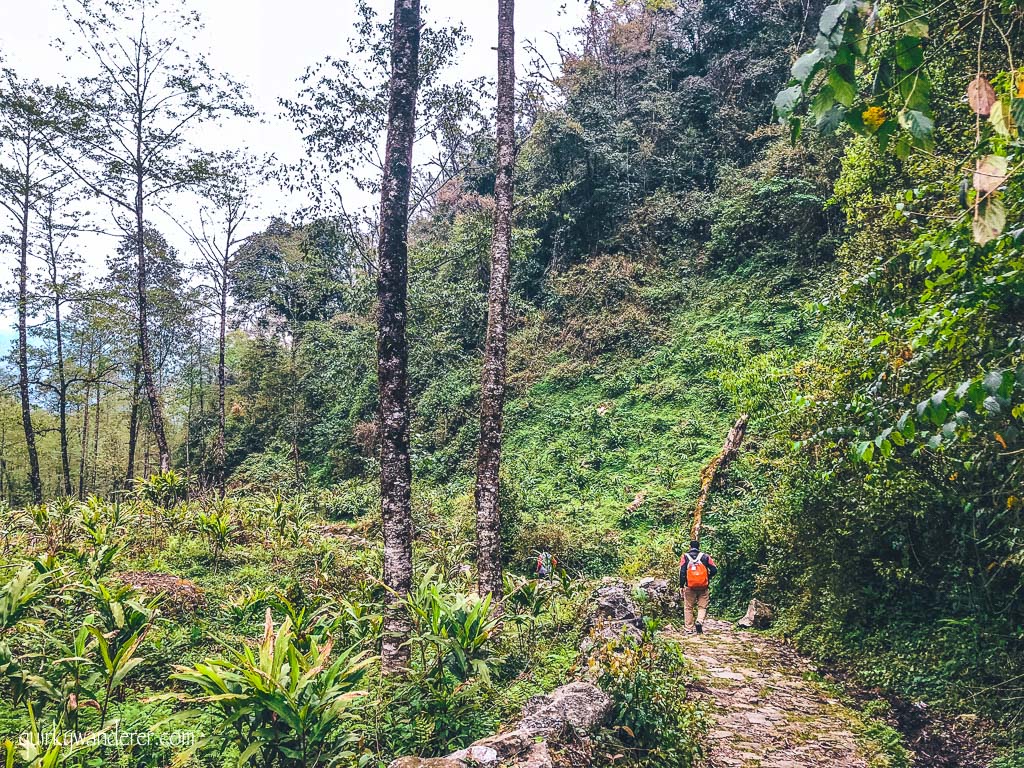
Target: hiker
pixel 696 569
pixel 546 564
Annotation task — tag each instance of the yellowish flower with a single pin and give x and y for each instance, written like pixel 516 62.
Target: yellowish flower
pixel 873 118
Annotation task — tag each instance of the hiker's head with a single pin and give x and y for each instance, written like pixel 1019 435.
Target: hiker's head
pixel 694 544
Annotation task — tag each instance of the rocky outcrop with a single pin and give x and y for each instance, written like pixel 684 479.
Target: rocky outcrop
pixel 553 732
pixel 615 613
pixel 759 615
pixel 663 595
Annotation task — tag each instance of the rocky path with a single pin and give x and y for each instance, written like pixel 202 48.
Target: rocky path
pixel 766 713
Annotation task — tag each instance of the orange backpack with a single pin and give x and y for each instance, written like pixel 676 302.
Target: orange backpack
pixel 696 571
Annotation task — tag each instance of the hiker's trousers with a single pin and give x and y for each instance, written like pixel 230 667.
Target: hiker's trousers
pixel 692 598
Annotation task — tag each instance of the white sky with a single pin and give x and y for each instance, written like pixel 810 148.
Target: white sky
pixel 267 44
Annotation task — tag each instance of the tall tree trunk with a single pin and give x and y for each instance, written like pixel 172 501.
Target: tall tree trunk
pixel 201 381
pixel 85 431
pixel 133 426
pixel 492 385
pixel 4 487
pixel 23 384
pixel 62 396
pixel 392 345
pixel 188 422
pixel 149 384
pixel 219 448
pixel 145 455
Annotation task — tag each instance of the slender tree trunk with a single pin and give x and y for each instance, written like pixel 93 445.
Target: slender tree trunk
pixel 145 455
pixel 219 447
pixel 62 397
pixel 188 422
pixel 23 383
pixel 3 463
pixel 133 426
pixel 96 439
pixel 85 431
pixel 149 383
pixel 296 464
pixel 58 329
pixel 392 345
pixel 200 381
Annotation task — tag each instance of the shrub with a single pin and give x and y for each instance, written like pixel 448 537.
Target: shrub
pixel 655 725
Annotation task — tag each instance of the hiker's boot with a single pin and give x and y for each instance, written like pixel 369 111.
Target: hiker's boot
pixel 700 629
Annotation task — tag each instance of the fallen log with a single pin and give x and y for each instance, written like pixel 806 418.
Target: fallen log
pixel 718 464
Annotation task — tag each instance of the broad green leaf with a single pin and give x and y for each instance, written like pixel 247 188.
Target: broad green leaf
pixel 832 119
pixel 1000 119
pixel 918 123
pixel 830 17
pixel 795 126
pixel 786 100
pixel 845 91
pixel 807 65
pixel 909 53
pixel 822 102
pixel 1017 112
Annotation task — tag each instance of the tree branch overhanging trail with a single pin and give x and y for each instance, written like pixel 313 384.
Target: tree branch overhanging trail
pixel 719 464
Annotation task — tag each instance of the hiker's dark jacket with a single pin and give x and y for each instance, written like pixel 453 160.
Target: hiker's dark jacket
pixel 704 558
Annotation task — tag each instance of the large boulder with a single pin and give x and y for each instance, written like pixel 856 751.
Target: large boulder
pixel 662 594
pixel 614 614
pixel 614 606
pixel 576 707
pixel 759 615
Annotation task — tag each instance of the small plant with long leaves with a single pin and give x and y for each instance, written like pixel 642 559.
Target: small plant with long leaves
pixel 243 606
pixel 164 489
pixel 454 631
pixel 216 526
pixel 308 621
pixel 20 598
pixel 54 522
pixel 99 522
pixel 277 704
pixel 526 600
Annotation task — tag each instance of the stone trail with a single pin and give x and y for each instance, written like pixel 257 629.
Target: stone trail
pixel 766 713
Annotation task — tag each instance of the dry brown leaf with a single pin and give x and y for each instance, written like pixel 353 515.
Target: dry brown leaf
pixel 989 220
pixel 981 96
pixel 990 174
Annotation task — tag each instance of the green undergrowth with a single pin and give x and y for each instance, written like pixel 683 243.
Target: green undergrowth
pixel 880 743
pixel 604 456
